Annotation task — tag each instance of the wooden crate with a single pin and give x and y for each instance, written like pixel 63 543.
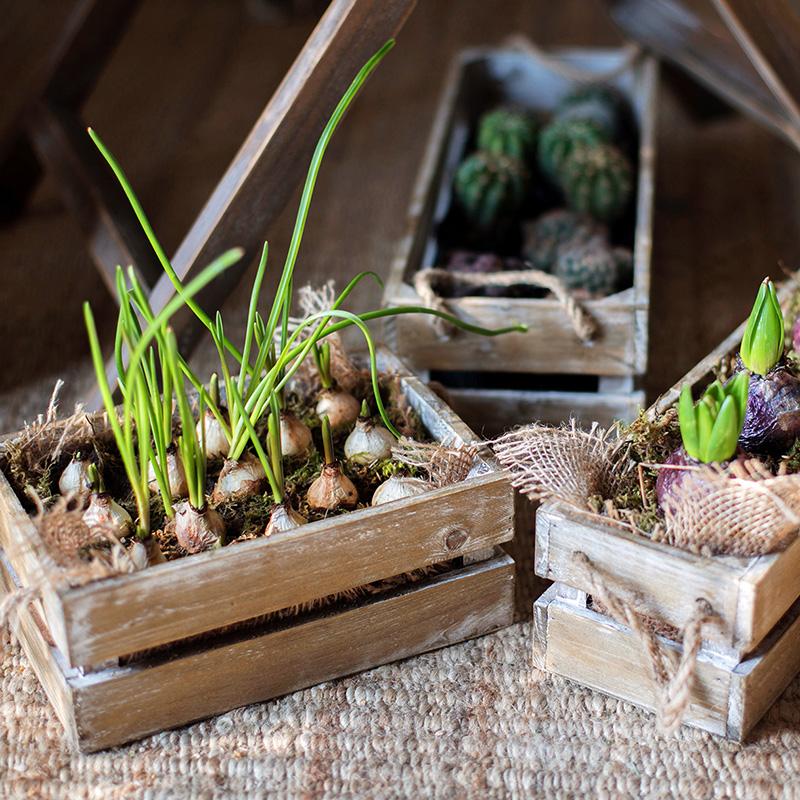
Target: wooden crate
pixel 93 628
pixel 728 697
pixel 750 594
pixel 478 79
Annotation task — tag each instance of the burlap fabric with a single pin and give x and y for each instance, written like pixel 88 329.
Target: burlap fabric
pixel 470 721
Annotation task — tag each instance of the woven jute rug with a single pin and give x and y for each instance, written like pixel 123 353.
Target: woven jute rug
pixel 469 721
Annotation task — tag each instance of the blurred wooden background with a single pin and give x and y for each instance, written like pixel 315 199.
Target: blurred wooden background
pixel 190 77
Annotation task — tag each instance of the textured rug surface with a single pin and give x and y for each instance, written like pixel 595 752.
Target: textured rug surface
pixel 469 721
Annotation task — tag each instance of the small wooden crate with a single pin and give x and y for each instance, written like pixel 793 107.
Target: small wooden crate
pixel 728 697
pixel 750 594
pixel 479 79
pixel 747 657
pixel 199 615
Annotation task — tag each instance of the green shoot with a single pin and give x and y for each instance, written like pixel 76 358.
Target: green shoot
pixel 131 427
pixel 327 442
pixel 192 451
pixel 710 428
pixel 762 343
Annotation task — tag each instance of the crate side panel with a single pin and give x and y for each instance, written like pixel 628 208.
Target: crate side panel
pixel 595 652
pixel 492 411
pixel 663 581
pixel 132 703
pixel 194 595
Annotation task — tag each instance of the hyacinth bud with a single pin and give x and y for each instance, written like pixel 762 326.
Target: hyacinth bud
pixel 710 427
pixel 762 344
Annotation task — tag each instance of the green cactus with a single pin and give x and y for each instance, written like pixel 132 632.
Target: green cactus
pixel 490 188
pixel 596 104
pixel 546 235
pixel 589 266
pixel 559 140
pixel 598 181
pixel 506 132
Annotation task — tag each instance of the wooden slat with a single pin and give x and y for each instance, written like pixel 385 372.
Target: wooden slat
pixel 760 680
pixel 551 345
pixel 492 411
pixel 662 581
pixel 726 699
pixel 597 652
pixel 265 172
pixel 43 656
pixel 123 704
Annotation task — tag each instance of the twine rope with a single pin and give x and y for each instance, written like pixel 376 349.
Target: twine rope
pixel 672 683
pixel 428 281
pixel 632 53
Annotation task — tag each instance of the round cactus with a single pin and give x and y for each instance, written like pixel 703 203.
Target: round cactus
pixel 598 181
pixel 544 236
pixel 506 132
pixel 490 188
pixel 596 104
pixel 589 266
pixel 559 140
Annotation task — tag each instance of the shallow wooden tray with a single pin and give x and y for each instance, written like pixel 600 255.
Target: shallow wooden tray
pixel 478 79
pixel 115 617
pixel 728 697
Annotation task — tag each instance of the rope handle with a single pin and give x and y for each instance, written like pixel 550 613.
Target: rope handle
pixel 632 53
pixel 672 683
pixel 427 280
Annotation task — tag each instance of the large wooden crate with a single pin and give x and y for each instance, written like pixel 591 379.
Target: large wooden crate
pixel 199 615
pixel 728 697
pixel 481 78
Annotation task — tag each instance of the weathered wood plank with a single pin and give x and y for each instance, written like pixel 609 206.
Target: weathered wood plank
pixel 43 656
pixel 660 580
pixel 701 37
pixel 551 344
pixel 123 704
pixel 192 595
pixel 726 699
pixel 492 411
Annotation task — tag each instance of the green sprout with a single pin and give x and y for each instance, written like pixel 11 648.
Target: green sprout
pixel 131 426
pixel 710 428
pixel 762 344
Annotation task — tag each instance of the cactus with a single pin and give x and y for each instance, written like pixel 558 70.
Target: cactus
pixel 509 133
pixel 546 235
pixel 559 140
pixel 598 181
pixel 490 188
pixel 596 104
pixel 589 266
